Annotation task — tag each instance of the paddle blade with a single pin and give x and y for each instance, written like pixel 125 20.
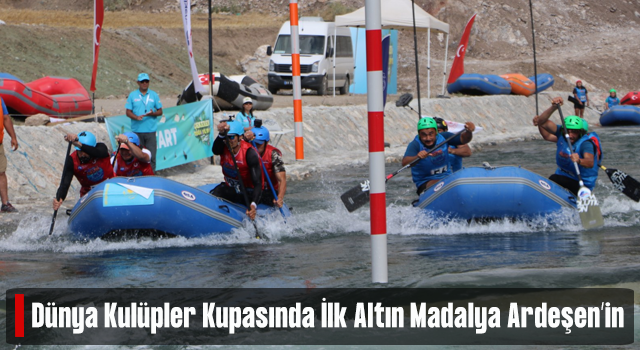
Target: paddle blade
pixel 53 221
pixel 404 100
pixel 590 214
pixel 356 197
pixel 592 218
pixel 624 183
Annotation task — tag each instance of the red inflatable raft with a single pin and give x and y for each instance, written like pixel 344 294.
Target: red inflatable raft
pixel 53 96
pixel 632 98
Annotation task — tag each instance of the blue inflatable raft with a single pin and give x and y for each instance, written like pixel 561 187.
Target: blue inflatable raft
pixel 495 193
pixel 544 81
pixel 480 84
pixel 156 206
pixel 620 115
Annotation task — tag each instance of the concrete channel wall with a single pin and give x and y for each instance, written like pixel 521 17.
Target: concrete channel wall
pixel 334 137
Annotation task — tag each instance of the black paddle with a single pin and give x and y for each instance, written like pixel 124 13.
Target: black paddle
pixel 55 212
pixel 242 188
pixel 404 101
pixel 590 214
pixel 273 190
pixel 620 180
pixel 624 183
pixel 358 196
pixel 573 99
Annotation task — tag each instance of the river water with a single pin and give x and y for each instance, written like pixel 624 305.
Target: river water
pixel 325 246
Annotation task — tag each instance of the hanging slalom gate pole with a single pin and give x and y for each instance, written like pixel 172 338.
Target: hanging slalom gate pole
pixel 295 77
pixel 535 64
pixel 210 55
pixel 377 195
pixel 415 52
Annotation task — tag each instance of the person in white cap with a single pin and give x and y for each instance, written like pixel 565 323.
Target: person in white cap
pixel 144 107
pixel 245 116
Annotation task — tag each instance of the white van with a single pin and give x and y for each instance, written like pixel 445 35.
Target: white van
pixel 317 57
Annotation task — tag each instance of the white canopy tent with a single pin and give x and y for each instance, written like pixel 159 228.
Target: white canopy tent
pixel 399 14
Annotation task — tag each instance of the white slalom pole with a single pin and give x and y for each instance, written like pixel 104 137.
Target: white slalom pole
pixel 377 194
pixel 429 63
pixel 295 77
pixel 444 74
pixel 335 48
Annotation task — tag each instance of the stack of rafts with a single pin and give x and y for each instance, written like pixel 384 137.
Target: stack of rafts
pixel 487 84
pixel 54 96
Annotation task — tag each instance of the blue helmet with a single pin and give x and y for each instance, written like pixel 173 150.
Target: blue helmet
pixel 235 127
pixel 133 138
pixel 87 138
pixel 262 135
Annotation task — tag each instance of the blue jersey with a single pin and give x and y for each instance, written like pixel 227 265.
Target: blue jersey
pixel 612 101
pixel 455 161
pixel 246 120
pixel 581 92
pixel 141 104
pixel 585 144
pixel 436 165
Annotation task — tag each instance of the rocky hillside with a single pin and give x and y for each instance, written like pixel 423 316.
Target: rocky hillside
pixel 587 39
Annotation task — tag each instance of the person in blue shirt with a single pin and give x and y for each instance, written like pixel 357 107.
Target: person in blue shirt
pixel 434 163
pixel 581 94
pixel 144 107
pixel 585 149
pixel 245 116
pixel 456 153
pixel 612 100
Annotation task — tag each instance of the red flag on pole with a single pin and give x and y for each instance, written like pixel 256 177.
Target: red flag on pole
pixel 98 16
pixel 457 69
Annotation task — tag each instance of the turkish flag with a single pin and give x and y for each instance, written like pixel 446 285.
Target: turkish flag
pixel 98 16
pixel 457 69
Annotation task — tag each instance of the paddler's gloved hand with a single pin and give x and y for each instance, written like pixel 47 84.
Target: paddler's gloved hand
pixel 223 128
pixel 252 213
pixel 57 203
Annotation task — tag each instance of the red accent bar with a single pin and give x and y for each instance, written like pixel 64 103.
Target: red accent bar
pixel 374 44
pixel 299 142
pixel 297 111
pixel 19 316
pixel 378 213
pixel 293 13
pixel 376 132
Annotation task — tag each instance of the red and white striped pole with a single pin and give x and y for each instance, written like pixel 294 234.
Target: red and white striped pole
pixel 375 107
pixel 295 77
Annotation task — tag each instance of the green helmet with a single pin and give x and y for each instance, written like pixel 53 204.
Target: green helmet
pixel 573 122
pixel 613 90
pixel 427 123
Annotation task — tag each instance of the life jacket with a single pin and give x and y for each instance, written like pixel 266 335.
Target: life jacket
pixel 566 167
pixel 612 101
pixel 582 93
pixel 91 173
pixel 455 161
pixel 231 176
pixel 267 160
pixel 133 168
pixel 435 166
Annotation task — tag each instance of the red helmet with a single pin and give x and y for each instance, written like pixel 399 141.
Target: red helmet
pixel 578 81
